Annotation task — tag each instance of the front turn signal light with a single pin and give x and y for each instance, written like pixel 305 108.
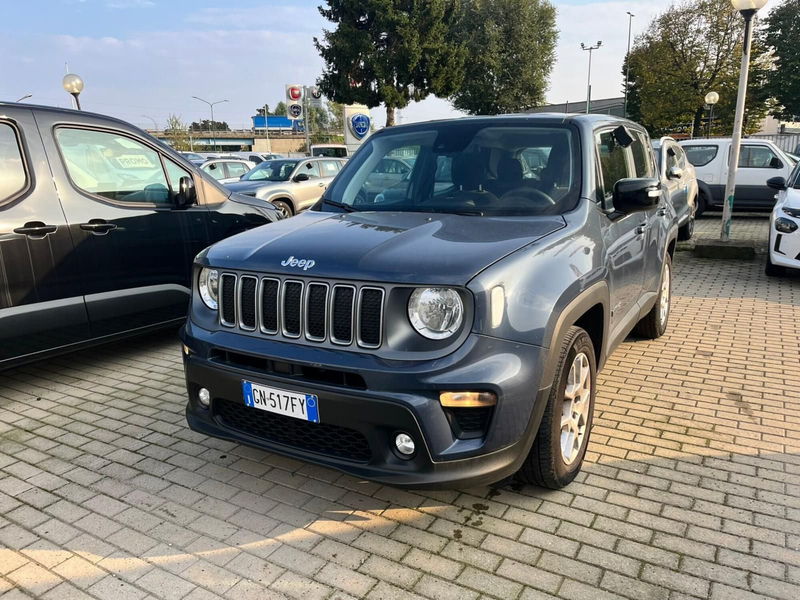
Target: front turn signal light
pixel 467 399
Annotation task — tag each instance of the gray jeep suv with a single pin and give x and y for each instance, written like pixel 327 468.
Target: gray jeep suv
pixel 446 330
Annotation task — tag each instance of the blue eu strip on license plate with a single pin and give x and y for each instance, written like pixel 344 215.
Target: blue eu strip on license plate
pixel 283 402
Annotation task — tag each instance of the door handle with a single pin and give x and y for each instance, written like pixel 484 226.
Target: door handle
pixel 662 211
pixel 98 226
pixel 641 229
pixel 321 185
pixel 36 229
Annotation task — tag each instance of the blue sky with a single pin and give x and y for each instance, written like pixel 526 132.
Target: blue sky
pixel 144 59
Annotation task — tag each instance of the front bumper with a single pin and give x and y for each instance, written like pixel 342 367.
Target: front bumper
pixel 784 248
pixel 358 423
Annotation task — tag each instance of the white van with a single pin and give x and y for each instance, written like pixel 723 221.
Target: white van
pixel 759 160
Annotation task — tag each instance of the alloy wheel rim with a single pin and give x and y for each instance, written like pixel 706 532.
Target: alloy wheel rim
pixel 575 408
pixel 664 303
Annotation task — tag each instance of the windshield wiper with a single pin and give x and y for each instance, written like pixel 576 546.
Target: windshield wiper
pixel 342 205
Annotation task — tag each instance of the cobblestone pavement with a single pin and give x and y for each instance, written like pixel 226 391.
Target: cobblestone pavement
pixel 745 226
pixel 692 489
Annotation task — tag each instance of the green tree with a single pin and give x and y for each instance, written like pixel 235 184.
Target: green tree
pixel 177 133
pixel 691 49
pixel 510 53
pixel 209 125
pixel 390 52
pixel 280 109
pixel 783 36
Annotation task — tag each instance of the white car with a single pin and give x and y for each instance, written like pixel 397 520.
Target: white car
pixel 784 225
pixel 227 170
pixel 759 160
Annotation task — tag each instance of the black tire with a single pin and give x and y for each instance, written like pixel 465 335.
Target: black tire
pixel 545 465
pixel 702 203
pixel 654 324
pixel 686 231
pixel 285 208
pixel 773 270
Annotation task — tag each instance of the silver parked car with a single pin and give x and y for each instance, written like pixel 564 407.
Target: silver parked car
pixel 227 170
pixel 291 184
pixel 679 179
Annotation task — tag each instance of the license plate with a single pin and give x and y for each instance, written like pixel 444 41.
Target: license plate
pixel 282 402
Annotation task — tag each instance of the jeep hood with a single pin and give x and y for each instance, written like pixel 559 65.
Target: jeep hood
pixel 398 247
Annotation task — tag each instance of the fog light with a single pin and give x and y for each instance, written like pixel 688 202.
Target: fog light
pixel 404 444
pixel 186 350
pixel 467 399
pixel 204 396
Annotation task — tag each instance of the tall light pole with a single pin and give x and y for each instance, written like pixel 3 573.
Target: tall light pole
pixel 211 106
pixel 627 65
pixel 155 125
pixel 25 97
pixel 711 99
pixel 589 78
pixel 73 85
pixel 748 9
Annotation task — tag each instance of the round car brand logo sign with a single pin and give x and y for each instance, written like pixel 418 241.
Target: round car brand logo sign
pixel 359 125
pixel 316 93
pixel 296 110
pixel 295 93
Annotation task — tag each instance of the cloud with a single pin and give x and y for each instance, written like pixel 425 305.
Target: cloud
pixel 121 4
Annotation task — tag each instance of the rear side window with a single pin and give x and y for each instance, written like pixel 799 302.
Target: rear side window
pixel 13 178
pixel 613 161
pixel 700 156
pixel 236 169
pixel 113 166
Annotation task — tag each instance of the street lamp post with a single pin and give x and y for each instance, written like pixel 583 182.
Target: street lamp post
pixel 589 79
pixel 211 106
pixel 627 65
pixel 711 99
pixel 748 9
pixel 73 85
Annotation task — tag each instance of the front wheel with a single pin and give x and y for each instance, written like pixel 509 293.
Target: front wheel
pixel 654 324
pixel 773 270
pixel 702 203
pixel 560 445
pixel 284 207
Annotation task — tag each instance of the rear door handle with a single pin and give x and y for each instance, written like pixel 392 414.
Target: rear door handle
pixel 662 211
pixel 641 229
pixel 36 229
pixel 98 226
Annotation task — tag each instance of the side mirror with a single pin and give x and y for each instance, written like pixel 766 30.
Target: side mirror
pixel 777 183
pixel 187 193
pixel 675 173
pixel 301 177
pixel 632 195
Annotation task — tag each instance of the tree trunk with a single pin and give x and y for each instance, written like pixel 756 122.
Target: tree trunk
pixel 389 116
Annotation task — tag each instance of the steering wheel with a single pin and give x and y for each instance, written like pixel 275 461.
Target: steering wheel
pixel 528 194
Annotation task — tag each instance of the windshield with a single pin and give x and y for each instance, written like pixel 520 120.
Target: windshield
pixel 271 170
pixel 464 168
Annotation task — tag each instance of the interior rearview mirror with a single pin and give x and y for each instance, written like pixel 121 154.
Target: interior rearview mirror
pixel 776 183
pixel 632 195
pixel 622 137
pixel 187 193
pixel 301 177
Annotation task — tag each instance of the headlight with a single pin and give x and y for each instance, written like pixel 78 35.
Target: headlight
pixel 785 225
pixel 436 313
pixel 208 285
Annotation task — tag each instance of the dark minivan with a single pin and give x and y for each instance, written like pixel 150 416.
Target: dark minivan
pixel 99 224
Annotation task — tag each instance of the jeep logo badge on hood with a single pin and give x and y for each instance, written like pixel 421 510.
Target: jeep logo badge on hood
pixel 303 263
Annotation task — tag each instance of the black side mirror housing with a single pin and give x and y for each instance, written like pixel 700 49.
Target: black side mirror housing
pixel 777 183
pixel 187 193
pixel 301 177
pixel 633 195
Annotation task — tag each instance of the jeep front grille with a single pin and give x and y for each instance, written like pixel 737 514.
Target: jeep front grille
pixel 317 311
